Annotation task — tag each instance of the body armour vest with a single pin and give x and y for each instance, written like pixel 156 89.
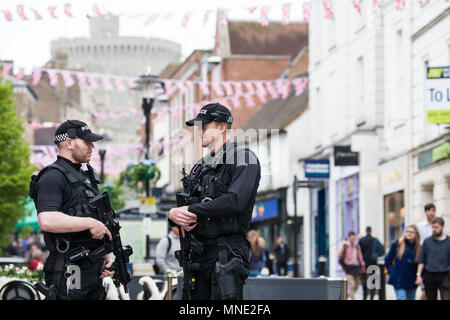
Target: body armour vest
pixel 213 187
pixel 83 188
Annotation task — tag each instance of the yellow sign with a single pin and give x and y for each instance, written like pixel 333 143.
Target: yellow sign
pixel 147 205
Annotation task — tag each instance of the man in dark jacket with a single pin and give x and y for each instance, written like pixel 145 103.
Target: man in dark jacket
pixel 282 255
pixel 371 249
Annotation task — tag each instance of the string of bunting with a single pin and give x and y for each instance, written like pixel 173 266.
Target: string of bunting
pixel 68 10
pixel 224 90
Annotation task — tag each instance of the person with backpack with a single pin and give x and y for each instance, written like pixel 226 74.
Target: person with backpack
pixel 401 263
pixel 351 260
pixel 371 249
pixel 165 253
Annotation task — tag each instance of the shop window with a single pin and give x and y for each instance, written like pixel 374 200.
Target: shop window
pixel 394 216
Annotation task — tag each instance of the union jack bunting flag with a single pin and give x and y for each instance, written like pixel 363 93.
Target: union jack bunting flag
pixel 400 4
pixel 37 73
pixel 377 5
pixel 186 19
pixel 206 17
pixel 306 11
pixel 327 5
pixel 357 5
pixel 286 11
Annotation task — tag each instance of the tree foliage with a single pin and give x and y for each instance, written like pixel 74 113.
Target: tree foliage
pixel 15 167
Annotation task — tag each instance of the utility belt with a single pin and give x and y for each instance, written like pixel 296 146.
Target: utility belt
pixel 67 253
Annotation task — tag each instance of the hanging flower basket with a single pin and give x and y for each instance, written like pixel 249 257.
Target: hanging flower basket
pixel 137 174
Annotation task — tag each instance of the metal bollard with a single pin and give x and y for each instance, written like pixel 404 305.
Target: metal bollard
pixel 169 288
pixel 344 289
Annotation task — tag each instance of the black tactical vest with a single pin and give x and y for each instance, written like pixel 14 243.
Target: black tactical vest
pixel 212 187
pixel 83 188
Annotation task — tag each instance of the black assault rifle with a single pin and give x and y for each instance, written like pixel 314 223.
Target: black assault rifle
pixel 101 207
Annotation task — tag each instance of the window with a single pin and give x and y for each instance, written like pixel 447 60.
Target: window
pixel 394 216
pixel 398 107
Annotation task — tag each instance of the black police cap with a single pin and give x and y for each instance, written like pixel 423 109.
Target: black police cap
pixel 212 112
pixel 75 129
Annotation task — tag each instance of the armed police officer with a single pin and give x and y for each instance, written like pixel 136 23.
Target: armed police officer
pixel 61 192
pixel 215 209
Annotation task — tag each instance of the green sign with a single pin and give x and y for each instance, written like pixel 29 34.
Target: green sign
pixel 441 152
pixel 434 155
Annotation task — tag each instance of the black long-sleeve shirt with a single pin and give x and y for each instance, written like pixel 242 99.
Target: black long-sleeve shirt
pixel 239 173
pixel 435 254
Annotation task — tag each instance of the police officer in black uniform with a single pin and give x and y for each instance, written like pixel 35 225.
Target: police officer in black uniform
pixel 61 192
pixel 217 224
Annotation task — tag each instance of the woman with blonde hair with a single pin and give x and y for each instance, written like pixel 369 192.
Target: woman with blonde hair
pixel 401 263
pixel 257 255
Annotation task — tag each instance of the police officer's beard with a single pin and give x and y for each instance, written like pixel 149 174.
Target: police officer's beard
pixel 79 156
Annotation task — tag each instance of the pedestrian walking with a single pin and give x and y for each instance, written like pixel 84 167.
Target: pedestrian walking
pixel 371 249
pixel 282 255
pixel 434 261
pixel 351 260
pixel 257 254
pixel 165 252
pixel 426 231
pixel 401 263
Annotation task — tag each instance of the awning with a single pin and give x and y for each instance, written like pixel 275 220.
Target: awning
pixel 30 218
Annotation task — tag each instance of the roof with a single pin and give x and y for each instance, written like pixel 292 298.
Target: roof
pixel 278 113
pixel 251 38
pixel 169 71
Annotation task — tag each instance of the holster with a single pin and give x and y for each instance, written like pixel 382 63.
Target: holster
pixel 226 287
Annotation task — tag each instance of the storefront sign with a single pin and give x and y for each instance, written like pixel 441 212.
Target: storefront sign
pixel 441 152
pixel 265 210
pixel 392 176
pixel 437 95
pixel 147 205
pixel 343 156
pixel 434 155
pixel 317 168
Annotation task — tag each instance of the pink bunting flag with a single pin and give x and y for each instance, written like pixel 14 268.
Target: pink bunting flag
pixel 357 5
pixel 6 69
pixel 249 86
pixel 107 83
pixel 306 11
pixel 204 88
pixel 251 9
pixel 223 16
pixel 261 92
pixel 52 10
pixel 237 88
pixel 160 115
pixel 182 87
pixel 81 79
pixel 111 113
pixel 286 88
pixel 174 111
pixel 93 82
pixel 168 15
pixel 97 11
pixel 20 74
pixel 151 19
pixel 235 101
pixel 286 10
pixel 273 92
pixel 264 17
pixel 228 88
pixel 249 101
pixel 8 15
pixel 21 12
pixel 119 85
pixel 37 73
pixel 328 7
pixel 186 18
pixel 206 17
pixel 169 87
pixel 217 89
pixel 36 14
pixel 67 10
pixel 68 80
pixel 132 84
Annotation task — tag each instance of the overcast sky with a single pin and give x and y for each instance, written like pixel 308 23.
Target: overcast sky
pixel 27 43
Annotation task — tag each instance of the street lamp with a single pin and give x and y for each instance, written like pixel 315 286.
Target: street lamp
pixel 102 153
pixel 147 84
